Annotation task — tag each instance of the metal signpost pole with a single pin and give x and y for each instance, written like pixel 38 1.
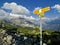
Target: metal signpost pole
pixel 40 31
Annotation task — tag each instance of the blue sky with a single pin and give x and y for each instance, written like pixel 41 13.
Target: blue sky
pixel 32 4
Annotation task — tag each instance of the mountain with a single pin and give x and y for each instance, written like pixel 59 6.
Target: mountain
pixel 20 22
pixel 52 24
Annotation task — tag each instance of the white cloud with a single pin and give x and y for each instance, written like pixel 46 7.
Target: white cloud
pixel 15 15
pixel 45 18
pixel 22 16
pixel 55 18
pixel 50 19
pixel 15 8
pixel 29 17
pixel 57 7
pixel 3 14
pixel 37 8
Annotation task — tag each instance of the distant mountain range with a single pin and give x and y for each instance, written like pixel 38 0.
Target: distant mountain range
pixel 47 24
pixel 53 24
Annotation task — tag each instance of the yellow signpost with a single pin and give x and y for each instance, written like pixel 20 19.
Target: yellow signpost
pixel 41 12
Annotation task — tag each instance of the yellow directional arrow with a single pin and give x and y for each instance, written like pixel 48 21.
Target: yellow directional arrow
pixel 41 11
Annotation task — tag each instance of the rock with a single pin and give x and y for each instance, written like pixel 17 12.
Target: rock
pixel 3 31
pixel 5 43
pixel 4 38
pixel 13 44
pixel 9 39
pixel 25 37
pixel 44 44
